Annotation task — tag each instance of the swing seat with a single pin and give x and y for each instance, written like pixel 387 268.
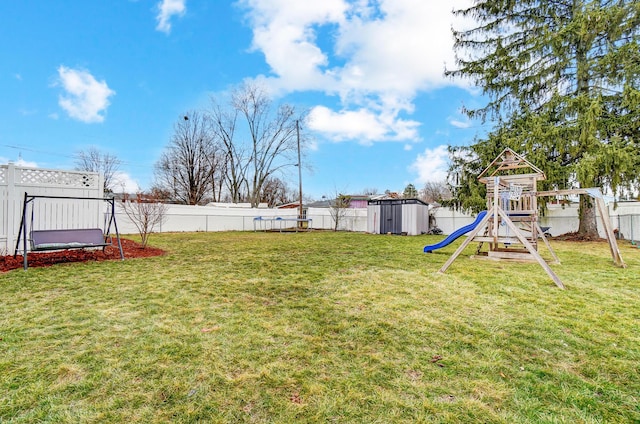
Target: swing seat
pixel 67 239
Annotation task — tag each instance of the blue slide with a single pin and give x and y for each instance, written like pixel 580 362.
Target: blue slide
pixel 457 233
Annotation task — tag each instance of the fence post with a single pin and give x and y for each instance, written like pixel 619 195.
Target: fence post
pixel 100 185
pixel 11 205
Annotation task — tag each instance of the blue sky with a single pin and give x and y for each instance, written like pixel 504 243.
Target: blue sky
pixel 117 74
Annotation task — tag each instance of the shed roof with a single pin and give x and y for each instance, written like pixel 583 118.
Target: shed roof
pixel 402 201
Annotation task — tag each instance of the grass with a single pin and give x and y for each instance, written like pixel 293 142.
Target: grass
pixel 321 327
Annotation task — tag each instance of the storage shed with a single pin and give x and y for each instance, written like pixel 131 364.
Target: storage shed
pixel 397 216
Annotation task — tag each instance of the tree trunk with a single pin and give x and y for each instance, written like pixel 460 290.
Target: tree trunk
pixel 588 228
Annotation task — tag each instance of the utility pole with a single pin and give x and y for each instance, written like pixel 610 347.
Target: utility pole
pixel 299 175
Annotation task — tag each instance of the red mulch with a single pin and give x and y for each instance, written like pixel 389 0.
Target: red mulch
pixel 130 248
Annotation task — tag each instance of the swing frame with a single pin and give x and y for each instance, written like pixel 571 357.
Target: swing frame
pixel 65 239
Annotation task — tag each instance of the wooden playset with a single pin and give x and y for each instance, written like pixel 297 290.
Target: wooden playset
pixel 510 227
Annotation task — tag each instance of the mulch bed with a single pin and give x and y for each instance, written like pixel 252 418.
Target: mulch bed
pixel 577 237
pixel 130 248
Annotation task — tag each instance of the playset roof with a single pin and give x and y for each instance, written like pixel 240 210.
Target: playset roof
pixel 507 162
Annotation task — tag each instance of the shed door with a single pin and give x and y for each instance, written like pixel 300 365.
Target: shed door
pixel 390 218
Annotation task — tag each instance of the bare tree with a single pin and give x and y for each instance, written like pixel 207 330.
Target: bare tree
pixel 267 145
pixel 223 127
pixel 272 138
pixel 189 163
pixel 435 192
pixel 94 160
pixel 338 210
pixel 162 194
pixel 146 213
pixel 276 192
pixel 219 165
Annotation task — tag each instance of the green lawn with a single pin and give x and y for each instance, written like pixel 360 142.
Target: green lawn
pixel 321 327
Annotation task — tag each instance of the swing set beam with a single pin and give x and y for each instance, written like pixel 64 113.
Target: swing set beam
pixel 64 239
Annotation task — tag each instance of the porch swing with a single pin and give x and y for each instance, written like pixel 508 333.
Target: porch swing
pixel 69 238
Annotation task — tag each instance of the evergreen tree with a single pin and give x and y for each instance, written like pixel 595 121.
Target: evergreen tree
pixel 410 192
pixel 562 80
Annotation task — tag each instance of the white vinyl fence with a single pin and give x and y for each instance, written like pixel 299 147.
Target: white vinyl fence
pixel 560 219
pixel 43 213
pixel 67 214
pixel 628 223
pixel 15 181
pixel 354 219
pixel 181 218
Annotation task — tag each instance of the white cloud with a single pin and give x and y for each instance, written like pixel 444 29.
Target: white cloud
pixel 362 125
pixel 285 30
pixel 85 98
pixel 30 164
pixel 355 125
pixel 376 57
pixel 27 112
pixel 123 182
pixel 19 162
pixel 463 124
pixel 167 9
pixel 401 50
pixel 431 166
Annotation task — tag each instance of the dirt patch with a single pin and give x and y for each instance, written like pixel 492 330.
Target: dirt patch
pixel 130 248
pixel 577 237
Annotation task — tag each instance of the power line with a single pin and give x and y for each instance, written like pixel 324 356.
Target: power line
pixel 22 148
pixel 74 156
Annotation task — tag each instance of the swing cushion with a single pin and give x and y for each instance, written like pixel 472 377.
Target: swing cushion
pixel 67 239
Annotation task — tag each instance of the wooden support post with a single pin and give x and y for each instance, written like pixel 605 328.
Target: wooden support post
pixel 496 205
pixel 546 243
pixel 611 238
pixel 596 194
pixel 469 239
pixel 531 249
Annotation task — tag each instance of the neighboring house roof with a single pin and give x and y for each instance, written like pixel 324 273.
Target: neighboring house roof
pixel 319 204
pixel 293 205
pixel 361 200
pixel 357 201
pixel 229 205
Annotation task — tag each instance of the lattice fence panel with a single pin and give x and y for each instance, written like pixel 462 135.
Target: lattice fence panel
pixel 61 178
